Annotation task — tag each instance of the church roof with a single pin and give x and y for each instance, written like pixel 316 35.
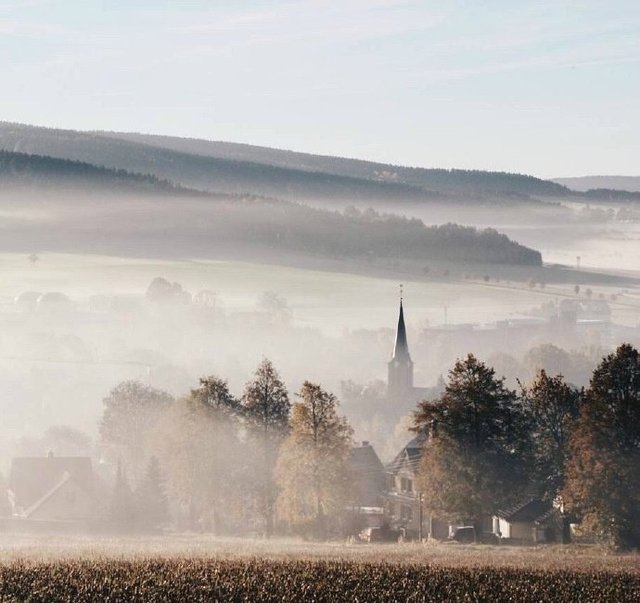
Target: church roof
pixel 401 347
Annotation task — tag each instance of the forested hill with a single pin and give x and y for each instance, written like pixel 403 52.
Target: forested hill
pixel 211 174
pixel 236 168
pixel 157 218
pixel 24 170
pixel 441 180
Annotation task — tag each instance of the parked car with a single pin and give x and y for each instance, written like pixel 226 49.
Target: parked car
pixel 465 534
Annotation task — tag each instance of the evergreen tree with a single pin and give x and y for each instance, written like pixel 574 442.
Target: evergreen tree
pixel 475 457
pixel 552 407
pixel 266 407
pixel 122 514
pixel 313 466
pixel 603 471
pixel 151 497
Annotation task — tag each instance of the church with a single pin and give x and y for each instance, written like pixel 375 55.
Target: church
pixel 400 388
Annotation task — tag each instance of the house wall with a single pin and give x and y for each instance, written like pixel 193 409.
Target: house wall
pixel 516 530
pixel 69 502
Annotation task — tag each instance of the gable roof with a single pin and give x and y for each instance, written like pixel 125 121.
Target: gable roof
pixel 31 478
pixel 410 455
pixel 364 458
pixel 532 510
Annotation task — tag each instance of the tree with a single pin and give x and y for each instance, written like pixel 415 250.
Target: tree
pixel 552 407
pixel 122 509
pixel 130 412
pixel 151 497
pixel 603 471
pixel 313 466
pixel 198 442
pixel 475 459
pixel 213 394
pixel 266 407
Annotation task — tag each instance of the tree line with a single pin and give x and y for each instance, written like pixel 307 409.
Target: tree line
pixel 226 464
pixel 489 446
pixel 261 463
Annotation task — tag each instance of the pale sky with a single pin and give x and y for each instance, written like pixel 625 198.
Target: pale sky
pixel 550 88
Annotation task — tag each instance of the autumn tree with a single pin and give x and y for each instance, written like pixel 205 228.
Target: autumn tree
pixel 313 465
pixel 475 458
pixel 266 409
pixel 603 471
pixel 198 443
pixel 552 407
pixel 130 412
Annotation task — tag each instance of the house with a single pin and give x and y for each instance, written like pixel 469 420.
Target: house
pixel 531 521
pixel 403 501
pixel 55 491
pixel 368 476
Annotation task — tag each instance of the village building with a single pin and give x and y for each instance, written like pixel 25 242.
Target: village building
pixel 54 493
pixel 532 521
pixel 369 483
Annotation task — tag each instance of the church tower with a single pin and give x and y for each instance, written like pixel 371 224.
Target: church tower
pixel 400 367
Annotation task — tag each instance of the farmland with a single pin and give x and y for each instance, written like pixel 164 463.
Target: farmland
pixel 200 568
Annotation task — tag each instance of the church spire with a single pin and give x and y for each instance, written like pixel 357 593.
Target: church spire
pixel 400 367
pixel 401 348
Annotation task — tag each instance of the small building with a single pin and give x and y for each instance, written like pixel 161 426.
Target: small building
pixel 54 491
pixel 531 521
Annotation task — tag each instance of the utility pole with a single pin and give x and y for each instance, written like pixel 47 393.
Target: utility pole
pixel 420 516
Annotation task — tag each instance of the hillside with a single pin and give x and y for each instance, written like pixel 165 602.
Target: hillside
pixel 584 183
pixel 24 170
pixel 212 174
pixel 440 180
pixel 157 218
pixel 234 168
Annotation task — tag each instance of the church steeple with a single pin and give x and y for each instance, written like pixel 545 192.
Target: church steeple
pixel 400 368
pixel 401 348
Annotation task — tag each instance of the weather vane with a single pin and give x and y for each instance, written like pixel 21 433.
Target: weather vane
pixel 401 290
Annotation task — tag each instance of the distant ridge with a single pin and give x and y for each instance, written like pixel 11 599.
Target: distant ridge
pixel 239 169
pixel 585 183
pixel 38 170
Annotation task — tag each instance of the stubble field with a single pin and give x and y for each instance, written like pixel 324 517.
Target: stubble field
pixel 197 568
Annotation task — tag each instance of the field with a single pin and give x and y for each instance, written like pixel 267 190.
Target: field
pixel 329 300
pixel 201 569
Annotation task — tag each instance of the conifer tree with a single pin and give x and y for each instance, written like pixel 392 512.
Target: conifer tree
pixel 122 515
pixel 151 497
pixel 266 407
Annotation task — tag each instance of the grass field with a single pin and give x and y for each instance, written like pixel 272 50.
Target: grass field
pixel 328 300
pixel 205 569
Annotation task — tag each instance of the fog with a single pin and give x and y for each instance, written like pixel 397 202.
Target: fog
pixel 103 288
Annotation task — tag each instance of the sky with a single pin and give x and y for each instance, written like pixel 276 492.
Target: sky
pixel 550 88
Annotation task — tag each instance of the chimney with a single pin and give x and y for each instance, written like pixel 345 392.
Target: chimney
pixel 365 443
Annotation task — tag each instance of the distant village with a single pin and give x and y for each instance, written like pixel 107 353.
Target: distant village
pixel 261 465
